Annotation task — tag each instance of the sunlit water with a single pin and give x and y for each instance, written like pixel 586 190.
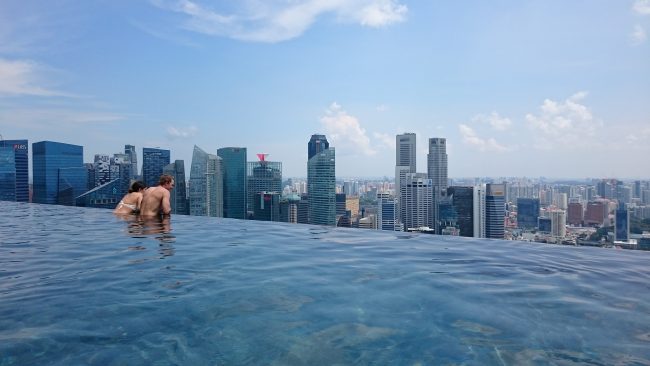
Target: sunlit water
pixel 83 287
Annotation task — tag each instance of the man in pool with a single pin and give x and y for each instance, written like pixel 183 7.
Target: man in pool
pixel 156 199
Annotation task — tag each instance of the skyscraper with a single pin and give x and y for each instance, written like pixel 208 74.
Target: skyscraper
pixel 234 181
pixel 321 182
pixel 133 159
pixel 416 201
pixel 527 213
pixel 575 213
pixel 405 164
pixel 558 223
pixel 495 210
pixel 154 161
pixel 21 168
pixel 479 211
pixel 7 174
pixel 58 172
pixel 462 199
pixel 437 172
pixel 178 198
pixel 317 143
pixel 266 206
pixel 206 184
pixel 262 176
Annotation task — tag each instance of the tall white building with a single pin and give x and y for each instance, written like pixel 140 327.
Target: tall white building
pixel 479 211
pixel 416 201
pixel 206 184
pixel 405 164
pixel 437 172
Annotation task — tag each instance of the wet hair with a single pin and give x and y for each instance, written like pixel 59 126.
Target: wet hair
pixel 164 179
pixel 137 186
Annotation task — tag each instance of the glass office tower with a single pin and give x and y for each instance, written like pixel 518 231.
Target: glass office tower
pixel 262 176
pixel 178 197
pixel 206 184
pixel 58 172
pixel 321 183
pixel 234 181
pixel 527 213
pixel 154 161
pixel 21 169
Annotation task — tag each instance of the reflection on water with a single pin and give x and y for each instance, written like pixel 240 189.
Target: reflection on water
pixel 158 227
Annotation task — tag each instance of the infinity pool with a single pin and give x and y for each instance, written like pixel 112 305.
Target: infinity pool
pixel 83 287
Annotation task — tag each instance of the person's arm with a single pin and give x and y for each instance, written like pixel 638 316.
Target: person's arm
pixel 166 206
pixel 138 203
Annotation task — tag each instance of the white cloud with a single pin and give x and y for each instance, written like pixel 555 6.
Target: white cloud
pixel 185 132
pixel 642 7
pixel 495 120
pixel 568 123
pixel 345 131
pixel 281 20
pixel 386 140
pixel 471 138
pixel 22 78
pixel 638 36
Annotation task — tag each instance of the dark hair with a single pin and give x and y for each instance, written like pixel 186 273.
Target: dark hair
pixel 164 179
pixel 137 186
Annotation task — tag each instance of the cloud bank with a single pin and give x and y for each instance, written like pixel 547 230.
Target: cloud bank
pixel 345 131
pixel 279 20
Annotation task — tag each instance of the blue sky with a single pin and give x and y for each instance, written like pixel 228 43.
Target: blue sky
pixel 519 88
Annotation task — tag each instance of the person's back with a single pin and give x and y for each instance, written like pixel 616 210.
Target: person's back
pixel 156 199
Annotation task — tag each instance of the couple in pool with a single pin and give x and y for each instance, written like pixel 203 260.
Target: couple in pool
pixel 152 201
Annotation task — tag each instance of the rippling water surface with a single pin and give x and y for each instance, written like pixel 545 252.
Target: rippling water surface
pixel 83 287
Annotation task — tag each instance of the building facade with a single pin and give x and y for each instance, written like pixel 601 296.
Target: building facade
pixel 154 161
pixel 495 211
pixel 18 172
pixel 437 172
pixel 416 199
pixel 527 213
pixel 234 181
pixel 262 176
pixel 321 184
pixel 405 164
pixel 206 184
pixel 178 195
pixel 58 172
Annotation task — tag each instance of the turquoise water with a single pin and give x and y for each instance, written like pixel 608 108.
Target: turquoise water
pixel 82 287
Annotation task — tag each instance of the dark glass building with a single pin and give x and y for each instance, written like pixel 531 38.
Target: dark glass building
pixel 544 224
pixel 317 143
pixel 266 206
pixel 234 181
pixel 179 202
pixel 527 213
pixel 462 199
pixel 58 172
pixel 321 183
pixel 495 211
pixel 20 170
pixel 7 174
pixel 153 162
pixel 262 176
pixel 622 223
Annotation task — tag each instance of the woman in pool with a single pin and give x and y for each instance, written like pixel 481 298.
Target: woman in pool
pixel 131 202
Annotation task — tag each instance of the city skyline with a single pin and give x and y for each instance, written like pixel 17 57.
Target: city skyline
pixel 553 89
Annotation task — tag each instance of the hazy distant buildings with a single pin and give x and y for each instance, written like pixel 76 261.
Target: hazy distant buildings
pixel 321 182
pixel 206 184
pixel 575 213
pixel 178 195
pixel 154 161
pixel 58 172
pixel 234 181
pixel 133 159
pixel 14 171
pixel 596 213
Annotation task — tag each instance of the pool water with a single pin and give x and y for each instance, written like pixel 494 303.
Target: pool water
pixel 84 287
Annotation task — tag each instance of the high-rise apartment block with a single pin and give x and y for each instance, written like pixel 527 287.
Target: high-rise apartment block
pixel 234 181
pixel 558 223
pixel 575 213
